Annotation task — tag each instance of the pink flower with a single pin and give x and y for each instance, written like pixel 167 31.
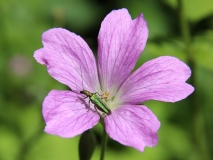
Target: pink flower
pixel 120 42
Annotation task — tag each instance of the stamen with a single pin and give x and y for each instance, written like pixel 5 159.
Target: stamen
pixel 105 96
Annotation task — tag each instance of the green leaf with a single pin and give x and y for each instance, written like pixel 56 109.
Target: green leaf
pixel 203 50
pixel 195 9
pixel 153 50
pixel 86 145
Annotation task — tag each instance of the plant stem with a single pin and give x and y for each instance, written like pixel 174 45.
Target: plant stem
pixel 26 146
pixel 199 135
pixel 104 143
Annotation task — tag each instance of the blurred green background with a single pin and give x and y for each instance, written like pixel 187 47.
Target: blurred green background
pixel 184 30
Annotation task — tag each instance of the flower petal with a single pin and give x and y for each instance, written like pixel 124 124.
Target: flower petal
pixel 121 41
pixel 68 59
pixel 134 126
pixel 65 115
pixel 161 79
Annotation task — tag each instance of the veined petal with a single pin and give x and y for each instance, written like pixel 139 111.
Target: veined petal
pixel 134 126
pixel 65 115
pixel 68 59
pixel 120 43
pixel 161 79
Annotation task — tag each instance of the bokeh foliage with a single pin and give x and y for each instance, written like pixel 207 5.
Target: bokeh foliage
pixel 185 129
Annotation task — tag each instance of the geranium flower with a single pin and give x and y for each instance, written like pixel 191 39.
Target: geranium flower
pixel 120 42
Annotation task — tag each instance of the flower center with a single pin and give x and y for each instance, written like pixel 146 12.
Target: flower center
pixel 112 101
pixel 105 96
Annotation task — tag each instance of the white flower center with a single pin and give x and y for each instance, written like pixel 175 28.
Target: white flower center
pixel 112 101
